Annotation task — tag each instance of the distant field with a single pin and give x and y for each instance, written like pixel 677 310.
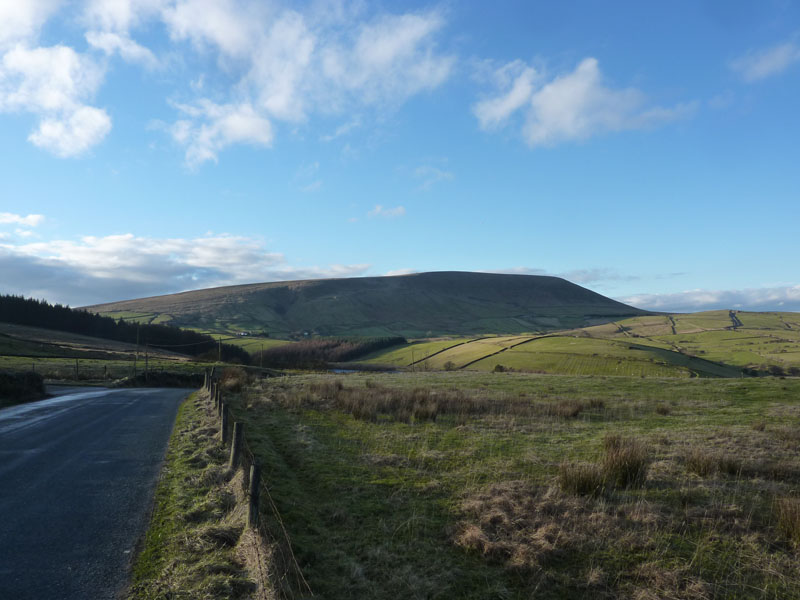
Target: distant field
pixel 481 485
pixel 709 344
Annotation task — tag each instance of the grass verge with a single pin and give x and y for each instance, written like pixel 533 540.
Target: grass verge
pixel 197 545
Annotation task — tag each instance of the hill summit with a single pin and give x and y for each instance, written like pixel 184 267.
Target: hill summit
pixel 416 305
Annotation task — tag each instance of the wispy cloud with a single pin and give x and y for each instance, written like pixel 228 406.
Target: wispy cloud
pixel 277 63
pixel 387 212
pixel 395 272
pixel 757 65
pixel 782 298
pixel 580 276
pixel 429 175
pixel 571 106
pixel 29 220
pixel 292 64
pixel 100 269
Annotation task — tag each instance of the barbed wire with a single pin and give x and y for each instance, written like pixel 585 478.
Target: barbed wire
pixel 291 565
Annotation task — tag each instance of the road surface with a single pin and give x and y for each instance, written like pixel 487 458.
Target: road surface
pixel 77 475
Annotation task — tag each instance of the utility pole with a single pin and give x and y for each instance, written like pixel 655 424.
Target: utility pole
pixel 145 362
pixel 136 356
pixel 219 353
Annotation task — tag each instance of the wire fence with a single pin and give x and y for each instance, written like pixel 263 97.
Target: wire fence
pixel 280 570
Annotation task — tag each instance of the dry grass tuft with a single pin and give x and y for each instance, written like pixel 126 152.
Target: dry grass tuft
pixel 788 513
pixel 704 463
pixel 234 379
pixel 584 479
pixel 221 536
pixel 700 461
pixel 626 461
pixel 523 527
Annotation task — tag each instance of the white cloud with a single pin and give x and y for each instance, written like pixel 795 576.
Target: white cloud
pixel 29 220
pixel 120 15
pixel 289 65
pixel 400 272
pixel 73 134
pixel 783 298
pixel 755 66
pixel 21 20
pixel 213 127
pixel 99 269
pixel 386 212
pixel 266 61
pixel 389 59
pixel 593 275
pixel 130 51
pixel 573 106
pixel 519 79
pixel 54 84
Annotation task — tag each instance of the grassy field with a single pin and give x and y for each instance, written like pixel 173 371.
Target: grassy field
pixel 709 344
pixel 471 485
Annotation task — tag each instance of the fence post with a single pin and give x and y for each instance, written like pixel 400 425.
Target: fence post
pixel 255 478
pixel 205 379
pixel 236 447
pixel 224 424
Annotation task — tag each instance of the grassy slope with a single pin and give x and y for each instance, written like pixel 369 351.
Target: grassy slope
pixel 704 344
pixel 470 507
pixel 421 305
pixel 763 339
pixel 55 354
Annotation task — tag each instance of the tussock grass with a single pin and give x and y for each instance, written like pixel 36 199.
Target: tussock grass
pixel 504 486
pixel 626 460
pixel 788 513
pixel 581 478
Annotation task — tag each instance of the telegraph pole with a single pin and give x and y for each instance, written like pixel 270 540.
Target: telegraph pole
pixel 136 356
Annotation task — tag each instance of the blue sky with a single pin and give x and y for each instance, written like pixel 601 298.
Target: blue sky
pixel 645 150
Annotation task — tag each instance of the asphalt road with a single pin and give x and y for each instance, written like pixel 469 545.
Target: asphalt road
pixel 77 475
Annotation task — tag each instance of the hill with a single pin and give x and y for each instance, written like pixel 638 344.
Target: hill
pixel 418 305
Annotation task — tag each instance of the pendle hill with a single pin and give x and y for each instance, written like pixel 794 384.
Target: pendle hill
pixel 416 305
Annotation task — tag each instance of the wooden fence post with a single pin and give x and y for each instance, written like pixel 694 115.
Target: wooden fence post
pixel 236 447
pixel 224 424
pixel 255 478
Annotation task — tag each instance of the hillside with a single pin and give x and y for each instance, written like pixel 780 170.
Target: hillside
pixel 418 305
pixel 707 344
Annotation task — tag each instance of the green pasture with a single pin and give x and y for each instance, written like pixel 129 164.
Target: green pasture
pixel 471 504
pixel 407 354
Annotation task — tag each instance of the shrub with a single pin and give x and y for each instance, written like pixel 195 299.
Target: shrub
pixel 499 369
pixel 20 387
